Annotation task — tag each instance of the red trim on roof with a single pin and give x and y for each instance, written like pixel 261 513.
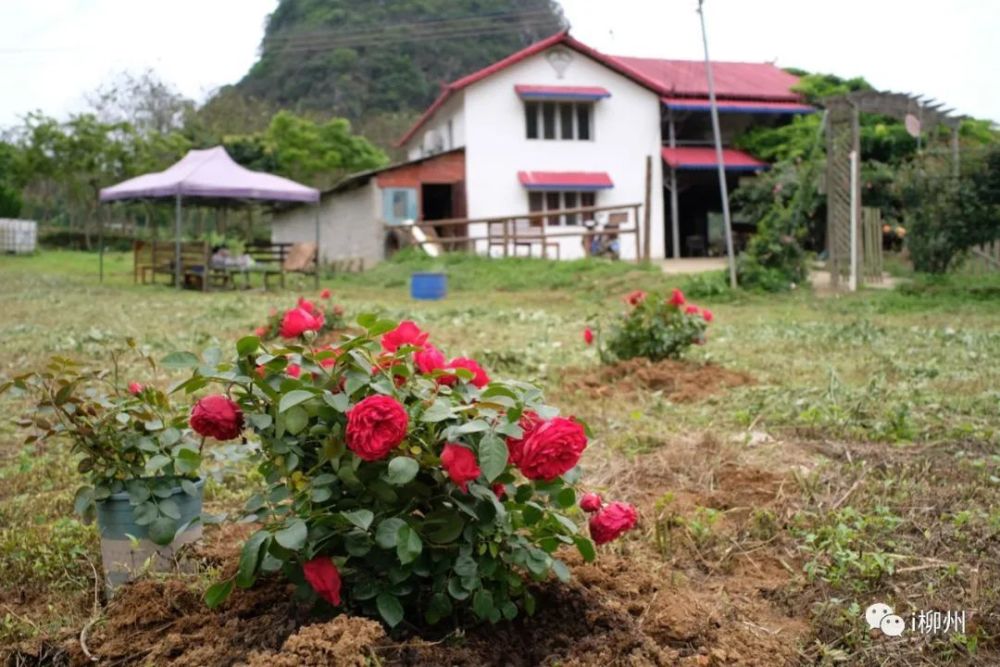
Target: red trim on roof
pixel 562 92
pixel 565 180
pixel 745 106
pixel 703 157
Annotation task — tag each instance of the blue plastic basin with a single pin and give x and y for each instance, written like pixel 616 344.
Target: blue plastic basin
pixel 428 286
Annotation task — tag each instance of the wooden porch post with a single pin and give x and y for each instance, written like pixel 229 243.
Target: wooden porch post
pixel 675 228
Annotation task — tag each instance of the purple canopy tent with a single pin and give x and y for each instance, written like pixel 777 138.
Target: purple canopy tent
pixel 209 174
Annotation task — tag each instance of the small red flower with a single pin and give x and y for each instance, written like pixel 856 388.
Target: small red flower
pixel 588 336
pixel 260 332
pixel 298 320
pixel 324 578
pixel 676 298
pixel 707 314
pixel 375 426
pixel 407 333
pixel 306 305
pixel 293 370
pixel 692 309
pixel 429 360
pixel 612 521
pixel 325 294
pixel 500 491
pixel 591 502
pixel 460 464
pixel 479 376
pixel 329 361
pixel 635 298
pixel 135 388
pixel 261 371
pixel 218 417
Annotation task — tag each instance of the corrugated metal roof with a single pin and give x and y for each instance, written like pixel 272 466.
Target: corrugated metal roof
pixel 703 157
pixel 565 180
pixel 687 78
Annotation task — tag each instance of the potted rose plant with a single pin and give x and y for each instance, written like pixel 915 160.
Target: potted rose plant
pixel 653 326
pixel 322 316
pixel 139 458
pixel 403 484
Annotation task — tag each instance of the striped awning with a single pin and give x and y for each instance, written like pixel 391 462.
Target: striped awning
pixel 703 157
pixel 565 180
pixel 735 106
pixel 582 93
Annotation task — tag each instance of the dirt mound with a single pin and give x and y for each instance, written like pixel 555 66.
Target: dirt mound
pixel 681 381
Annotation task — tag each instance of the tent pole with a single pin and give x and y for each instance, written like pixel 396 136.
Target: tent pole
pixel 100 246
pixel 177 242
pixel 318 247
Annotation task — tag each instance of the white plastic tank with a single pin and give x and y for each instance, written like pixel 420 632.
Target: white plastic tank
pixel 18 237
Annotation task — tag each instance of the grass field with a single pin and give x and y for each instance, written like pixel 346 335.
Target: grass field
pixel 860 464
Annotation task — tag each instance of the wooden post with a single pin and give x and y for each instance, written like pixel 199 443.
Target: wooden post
pixel 638 241
pixel 647 213
pixel 675 223
pixel 506 238
pixel 545 248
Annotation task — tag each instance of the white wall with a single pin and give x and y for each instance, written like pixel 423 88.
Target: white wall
pixel 434 137
pixel 626 129
pixel 350 225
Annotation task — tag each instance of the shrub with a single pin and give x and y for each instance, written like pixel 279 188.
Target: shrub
pixel 402 484
pixel 131 438
pixel 322 316
pixel 655 327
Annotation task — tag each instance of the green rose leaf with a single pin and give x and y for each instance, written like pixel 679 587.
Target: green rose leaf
pixel 293 398
pixel 561 570
pixel 389 609
pixel 169 508
pixel 157 463
pixel 247 345
pixel 466 566
pixel 293 536
pixel 145 514
pixel 360 518
pixel 388 529
pixel 482 604
pixel 402 470
pixel 492 456
pixel 217 593
pixel 296 419
pixel 180 360
pixel 189 488
pixel 250 558
pixel 443 526
pixel 586 548
pixel 566 497
pixel 438 411
pixel 408 545
pixel 83 500
pixel 162 530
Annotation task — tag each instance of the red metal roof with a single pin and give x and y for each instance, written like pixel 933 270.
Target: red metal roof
pixel 703 157
pixel 736 106
pixel 565 180
pixel 686 78
pixel 561 92
pixel 760 81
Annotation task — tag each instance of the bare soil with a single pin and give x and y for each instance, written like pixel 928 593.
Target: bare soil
pixel 681 381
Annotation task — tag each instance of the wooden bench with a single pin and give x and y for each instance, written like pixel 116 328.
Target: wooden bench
pixel 156 258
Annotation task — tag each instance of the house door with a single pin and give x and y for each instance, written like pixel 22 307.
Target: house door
pixel 439 203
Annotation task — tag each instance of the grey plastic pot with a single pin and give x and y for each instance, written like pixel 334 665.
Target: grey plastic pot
pixel 123 558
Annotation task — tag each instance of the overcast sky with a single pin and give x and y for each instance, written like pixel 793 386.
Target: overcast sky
pixel 54 51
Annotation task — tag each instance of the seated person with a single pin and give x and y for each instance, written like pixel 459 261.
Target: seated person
pixel 223 259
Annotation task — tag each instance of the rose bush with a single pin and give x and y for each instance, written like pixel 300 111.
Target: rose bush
pixel 321 316
pixel 654 327
pixel 402 484
pixel 130 438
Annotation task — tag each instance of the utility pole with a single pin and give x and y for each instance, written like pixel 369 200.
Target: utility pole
pixel 723 188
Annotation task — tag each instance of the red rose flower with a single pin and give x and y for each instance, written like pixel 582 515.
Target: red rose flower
pixel 375 426
pixel 552 449
pixel 591 502
pixel 325 294
pixel 329 361
pixel 135 388
pixel 529 422
pixel 707 314
pixel 324 578
pixel 261 371
pixel 676 298
pixel 216 417
pixel 479 376
pixel 306 305
pixel 407 333
pixel 293 370
pixel 500 491
pixel 429 360
pixel 298 320
pixel 588 336
pixel 612 521
pixel 261 331
pixel 692 309
pixel 635 298
pixel 460 464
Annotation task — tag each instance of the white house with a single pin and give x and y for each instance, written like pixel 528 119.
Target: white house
pixel 559 125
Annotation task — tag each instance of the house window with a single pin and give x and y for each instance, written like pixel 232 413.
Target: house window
pixel 559 120
pixel 560 201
